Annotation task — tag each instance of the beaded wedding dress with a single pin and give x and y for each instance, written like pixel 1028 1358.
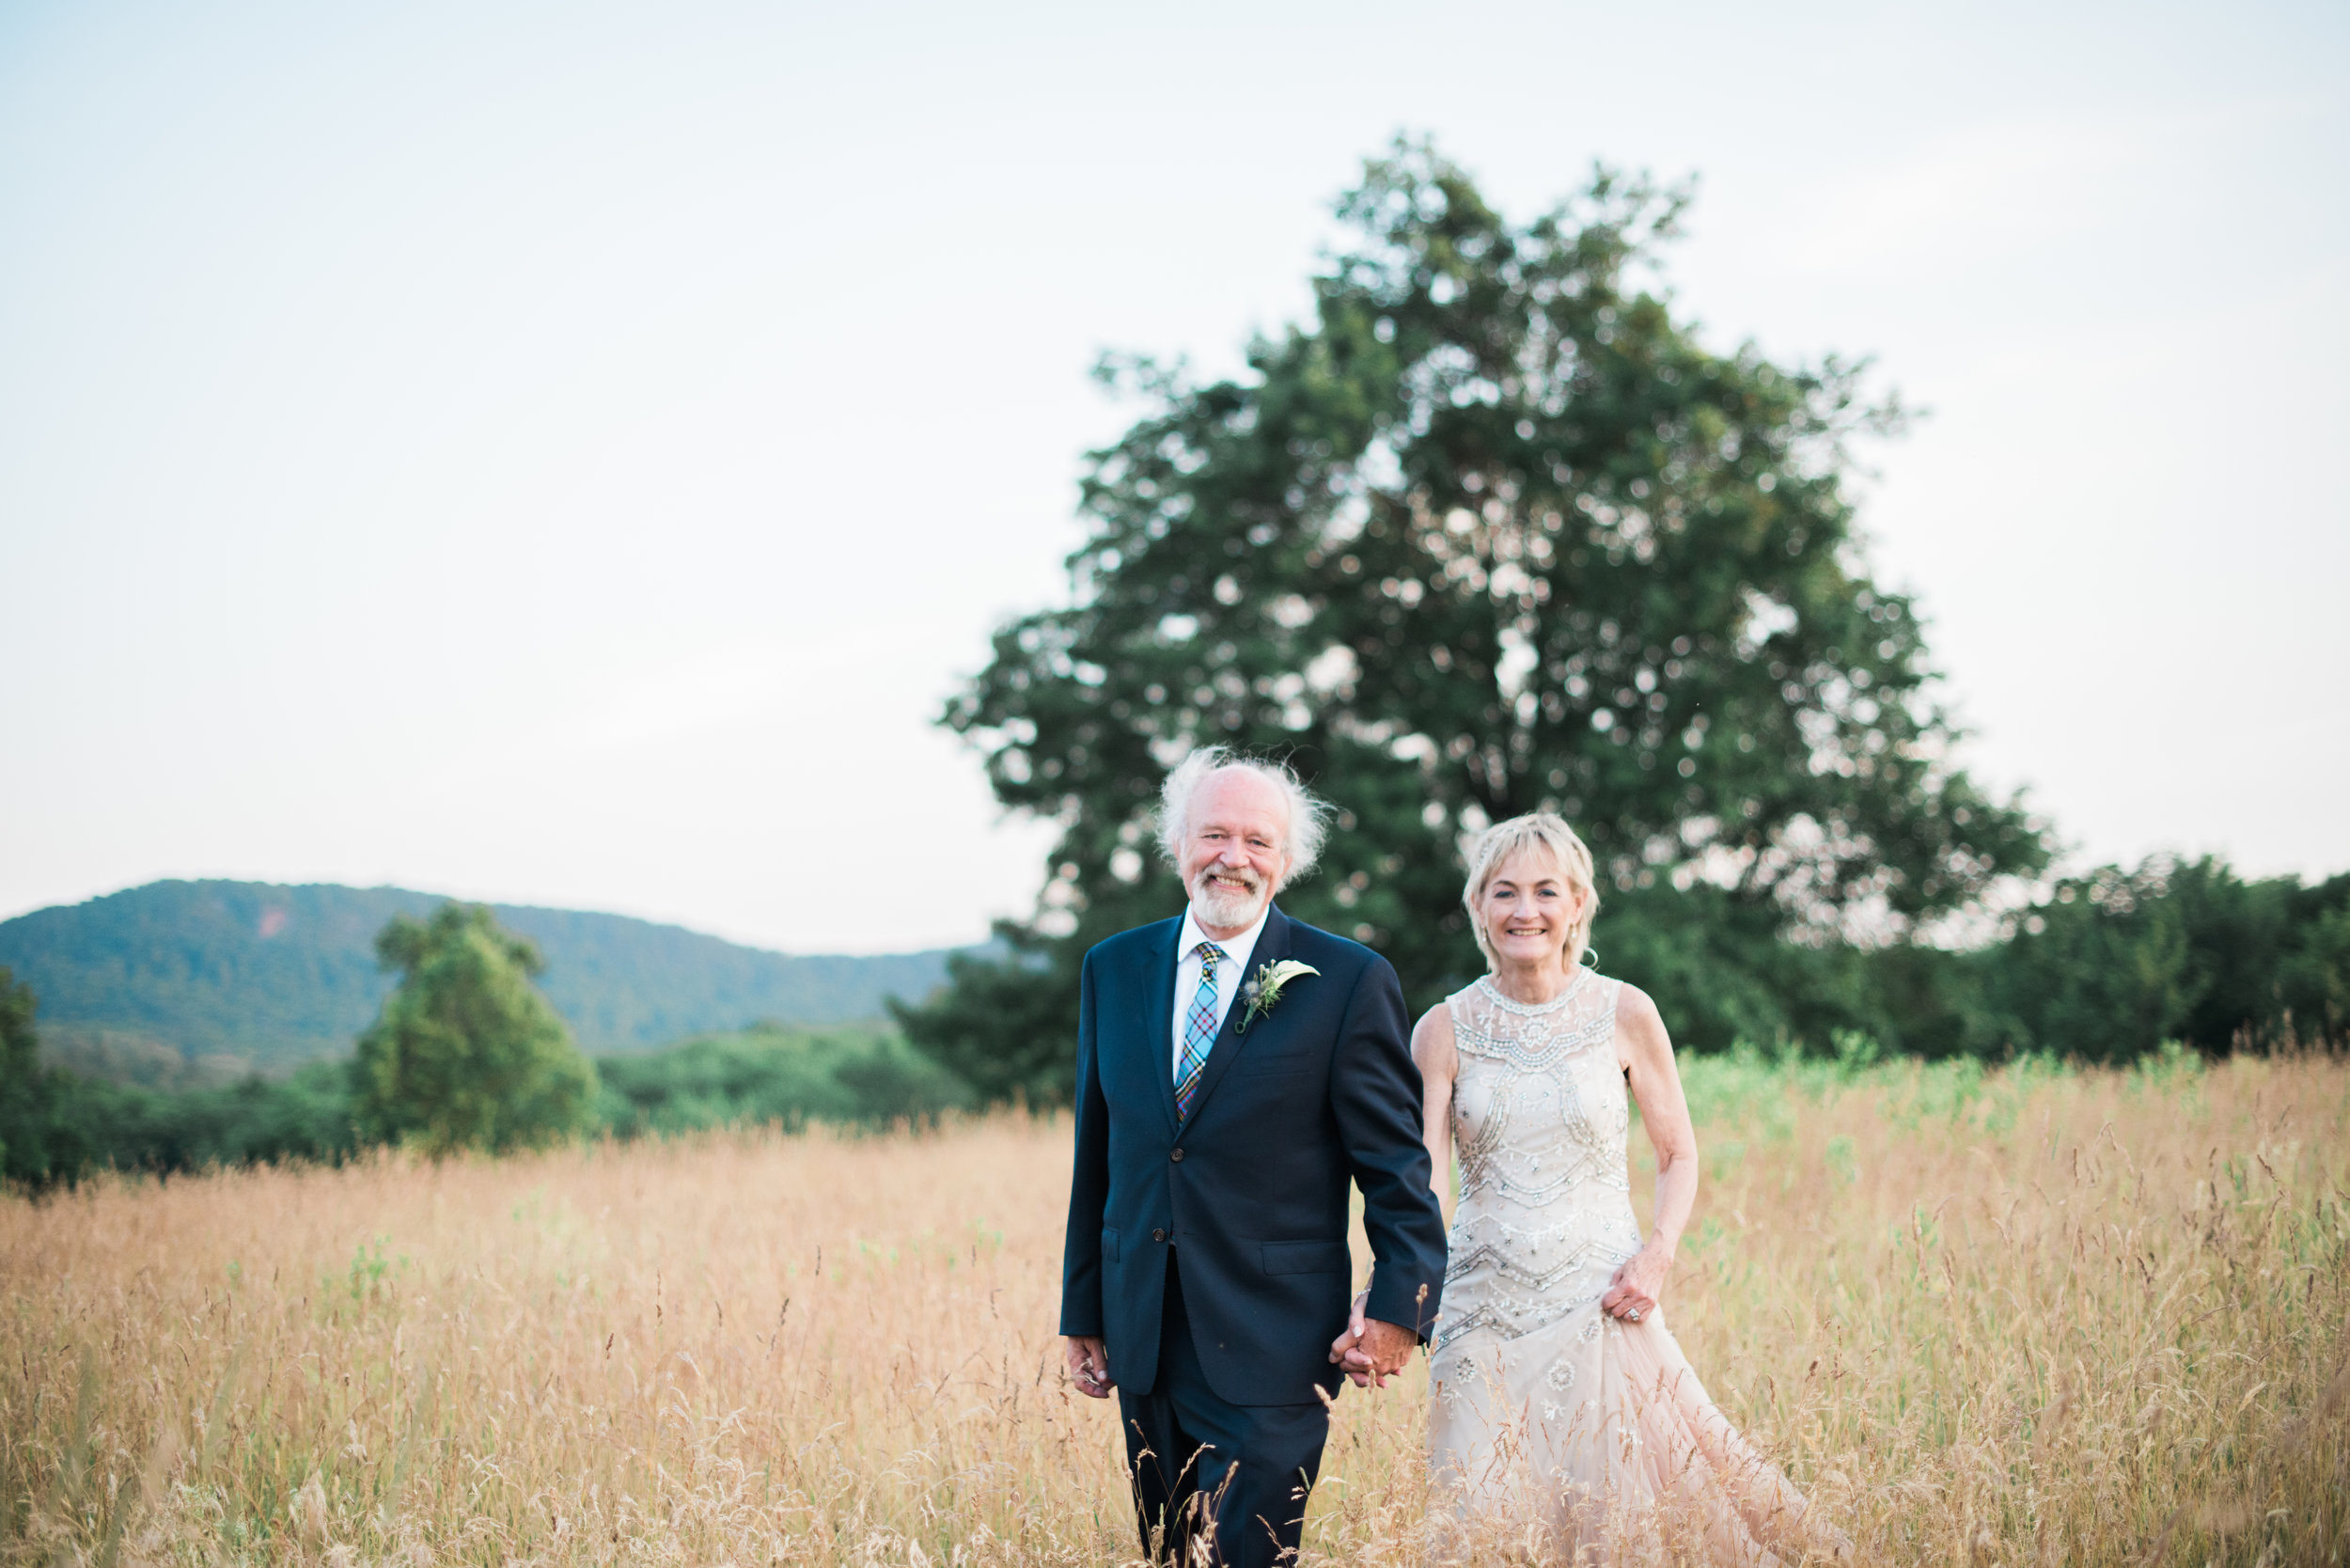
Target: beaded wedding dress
pixel 1562 1432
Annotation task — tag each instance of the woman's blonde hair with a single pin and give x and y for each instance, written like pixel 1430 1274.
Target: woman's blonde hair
pixel 1543 833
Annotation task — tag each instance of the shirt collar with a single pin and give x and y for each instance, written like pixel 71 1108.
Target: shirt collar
pixel 1236 949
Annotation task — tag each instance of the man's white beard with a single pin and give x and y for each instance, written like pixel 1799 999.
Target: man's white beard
pixel 1216 906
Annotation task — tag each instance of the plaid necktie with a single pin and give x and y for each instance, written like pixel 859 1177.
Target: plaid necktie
pixel 1199 1029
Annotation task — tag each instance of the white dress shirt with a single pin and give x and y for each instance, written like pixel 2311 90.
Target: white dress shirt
pixel 1236 954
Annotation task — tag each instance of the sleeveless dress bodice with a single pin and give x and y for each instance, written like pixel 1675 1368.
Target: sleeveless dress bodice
pixel 1538 1118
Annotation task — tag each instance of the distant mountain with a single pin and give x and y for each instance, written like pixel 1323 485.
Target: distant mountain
pixel 181 982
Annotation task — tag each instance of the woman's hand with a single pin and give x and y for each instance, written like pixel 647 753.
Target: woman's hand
pixel 1638 1286
pixel 1346 1350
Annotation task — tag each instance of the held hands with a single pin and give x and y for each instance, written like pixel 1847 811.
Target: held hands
pixel 1370 1350
pixel 1088 1364
pixel 1632 1293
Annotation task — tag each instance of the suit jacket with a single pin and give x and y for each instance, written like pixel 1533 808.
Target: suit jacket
pixel 1252 1186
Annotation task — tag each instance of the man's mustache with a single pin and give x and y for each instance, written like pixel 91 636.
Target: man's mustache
pixel 1241 874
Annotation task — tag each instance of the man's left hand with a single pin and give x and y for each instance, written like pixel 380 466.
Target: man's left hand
pixel 1089 1365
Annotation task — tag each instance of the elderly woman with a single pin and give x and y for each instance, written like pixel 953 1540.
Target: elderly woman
pixel 1560 1403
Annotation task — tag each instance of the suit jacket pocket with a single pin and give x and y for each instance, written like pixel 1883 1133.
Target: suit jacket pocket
pixel 1109 1244
pixel 1308 1257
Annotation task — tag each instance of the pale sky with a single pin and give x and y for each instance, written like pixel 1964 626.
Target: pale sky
pixel 565 453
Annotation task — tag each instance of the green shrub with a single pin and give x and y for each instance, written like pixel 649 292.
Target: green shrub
pixel 853 1075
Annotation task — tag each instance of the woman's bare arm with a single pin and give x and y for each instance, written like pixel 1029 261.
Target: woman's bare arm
pixel 1433 1054
pixel 1646 1052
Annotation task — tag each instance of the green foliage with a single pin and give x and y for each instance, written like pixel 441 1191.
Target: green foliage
pixel 121 1127
pixel 849 1076
pixel 2313 982
pixel 178 984
pixel 1750 1084
pixel 2117 961
pixel 2112 965
pixel 467 1054
pixel 1006 1029
pixel 130 1056
pixel 1721 969
pixel 2160 964
pixel 33 1137
pixel 55 1127
pixel 1494 532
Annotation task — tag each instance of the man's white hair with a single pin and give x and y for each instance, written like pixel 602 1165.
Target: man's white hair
pixel 1309 815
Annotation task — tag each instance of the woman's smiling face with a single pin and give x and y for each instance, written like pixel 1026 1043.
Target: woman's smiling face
pixel 1529 908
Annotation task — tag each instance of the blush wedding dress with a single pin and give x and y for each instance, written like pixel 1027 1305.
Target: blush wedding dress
pixel 1561 1431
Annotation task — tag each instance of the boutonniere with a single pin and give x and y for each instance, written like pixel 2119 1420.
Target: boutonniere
pixel 1263 990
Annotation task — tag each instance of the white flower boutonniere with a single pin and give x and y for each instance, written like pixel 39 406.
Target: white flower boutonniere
pixel 1264 989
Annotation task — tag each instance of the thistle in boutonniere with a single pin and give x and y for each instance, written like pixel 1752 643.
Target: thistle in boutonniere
pixel 1263 989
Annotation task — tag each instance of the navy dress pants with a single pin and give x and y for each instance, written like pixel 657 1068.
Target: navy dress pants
pixel 1217 1484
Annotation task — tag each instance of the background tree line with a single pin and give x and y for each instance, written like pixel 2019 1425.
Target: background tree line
pixel 466 1054
pixel 2112 964
pixel 1493 532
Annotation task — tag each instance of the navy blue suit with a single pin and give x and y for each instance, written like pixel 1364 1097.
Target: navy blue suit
pixel 1210 1252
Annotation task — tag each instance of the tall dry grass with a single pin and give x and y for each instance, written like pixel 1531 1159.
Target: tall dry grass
pixel 2025 1316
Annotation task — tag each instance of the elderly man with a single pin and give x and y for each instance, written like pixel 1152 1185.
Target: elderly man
pixel 1235 1068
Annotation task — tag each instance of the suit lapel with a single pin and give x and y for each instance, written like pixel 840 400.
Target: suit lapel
pixel 1158 991
pixel 1273 943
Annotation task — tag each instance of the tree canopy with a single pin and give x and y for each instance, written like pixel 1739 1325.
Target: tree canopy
pixel 1491 532
pixel 2116 960
pixel 467 1054
pixel 31 1141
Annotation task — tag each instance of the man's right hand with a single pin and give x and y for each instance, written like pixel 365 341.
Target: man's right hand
pixel 1089 1364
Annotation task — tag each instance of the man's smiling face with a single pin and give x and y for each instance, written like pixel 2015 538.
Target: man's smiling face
pixel 1236 833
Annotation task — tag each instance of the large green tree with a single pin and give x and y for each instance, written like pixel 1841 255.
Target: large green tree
pixel 1493 531
pixel 467 1054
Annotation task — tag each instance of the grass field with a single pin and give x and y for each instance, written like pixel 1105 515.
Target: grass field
pixel 2017 1316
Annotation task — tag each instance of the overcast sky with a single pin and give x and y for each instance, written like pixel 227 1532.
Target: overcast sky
pixel 565 453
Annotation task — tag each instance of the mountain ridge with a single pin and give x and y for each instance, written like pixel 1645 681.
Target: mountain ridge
pixel 196 980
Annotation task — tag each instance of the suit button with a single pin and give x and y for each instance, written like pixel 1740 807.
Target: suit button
pixel 1175 1155
pixel 1158 1235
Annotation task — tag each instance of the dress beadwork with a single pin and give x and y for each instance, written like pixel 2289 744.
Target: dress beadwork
pixel 1552 1420
pixel 1539 1116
